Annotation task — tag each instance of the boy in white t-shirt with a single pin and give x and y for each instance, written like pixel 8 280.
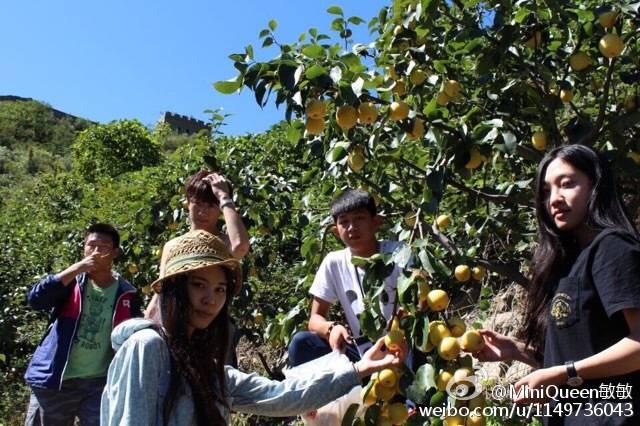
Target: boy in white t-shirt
pixel 338 280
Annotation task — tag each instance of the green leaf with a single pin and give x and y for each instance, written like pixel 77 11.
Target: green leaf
pixel 227 87
pixel 359 261
pixel 421 333
pixel 355 20
pixel 314 51
pixel 423 381
pixel 273 24
pixel 264 33
pixel 3 358
pixel 521 15
pixel 404 284
pixel 315 71
pixel 294 131
pixel 335 10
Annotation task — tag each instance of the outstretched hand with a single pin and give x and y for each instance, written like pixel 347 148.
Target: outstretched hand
pixel 497 347
pixel 378 358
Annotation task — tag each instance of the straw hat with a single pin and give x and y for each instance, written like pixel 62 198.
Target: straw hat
pixel 196 250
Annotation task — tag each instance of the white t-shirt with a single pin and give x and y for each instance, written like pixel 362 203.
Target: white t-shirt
pixel 336 281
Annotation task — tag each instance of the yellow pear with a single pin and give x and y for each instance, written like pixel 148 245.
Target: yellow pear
pixel 316 109
pixel 476 420
pixel 475 159
pixel 438 330
pixel 387 378
pixel 314 126
pixel 451 88
pixel 456 326
pixel 611 45
pixel 539 140
pixel 608 19
pixel 443 221
pixel 356 159
pixel 346 117
pixel 462 273
pixel 438 300
pixel 449 348
pixel 394 340
pixel 454 421
pixel 384 393
pixel 472 341
pixel 417 77
pixel 442 379
pixel 566 95
pixel 398 111
pixel 478 272
pixel 367 113
pixel 442 99
pixel 417 129
pixel 398 413
pixel 579 61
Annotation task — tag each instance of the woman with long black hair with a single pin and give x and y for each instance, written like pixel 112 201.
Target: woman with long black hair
pixel 582 323
pixel 170 370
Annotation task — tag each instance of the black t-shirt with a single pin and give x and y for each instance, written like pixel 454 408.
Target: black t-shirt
pixel 585 317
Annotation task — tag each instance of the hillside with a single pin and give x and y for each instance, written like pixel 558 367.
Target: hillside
pixel 34 138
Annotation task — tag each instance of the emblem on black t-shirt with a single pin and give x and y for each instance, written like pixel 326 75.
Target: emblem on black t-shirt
pixel 561 308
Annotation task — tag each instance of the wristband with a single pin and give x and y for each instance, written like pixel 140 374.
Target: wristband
pixel 227 202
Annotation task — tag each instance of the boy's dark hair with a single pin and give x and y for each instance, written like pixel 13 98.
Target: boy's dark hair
pixel 104 229
pixel 199 190
pixel 353 199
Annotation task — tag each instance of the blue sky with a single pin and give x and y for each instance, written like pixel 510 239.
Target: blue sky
pixel 108 60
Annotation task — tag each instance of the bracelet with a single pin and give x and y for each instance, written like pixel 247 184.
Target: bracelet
pixel 227 202
pixel 355 367
pixel 333 324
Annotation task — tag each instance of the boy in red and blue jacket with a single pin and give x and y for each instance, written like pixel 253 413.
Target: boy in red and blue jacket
pixel 87 300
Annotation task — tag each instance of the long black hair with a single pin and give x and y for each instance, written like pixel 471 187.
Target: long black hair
pixel 198 360
pixel 557 250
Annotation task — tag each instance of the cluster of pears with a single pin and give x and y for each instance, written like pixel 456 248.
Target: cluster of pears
pixel 347 116
pixel 399 110
pixel 475 405
pixel 611 45
pixel 464 273
pixel 444 334
pixel 385 385
pixel 449 91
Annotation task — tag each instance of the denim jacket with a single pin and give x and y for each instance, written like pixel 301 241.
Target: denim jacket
pixel 139 375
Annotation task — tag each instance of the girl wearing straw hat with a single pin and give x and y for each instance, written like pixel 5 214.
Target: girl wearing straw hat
pixel 170 369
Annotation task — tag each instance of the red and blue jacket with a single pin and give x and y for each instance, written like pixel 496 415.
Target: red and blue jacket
pixel 49 360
